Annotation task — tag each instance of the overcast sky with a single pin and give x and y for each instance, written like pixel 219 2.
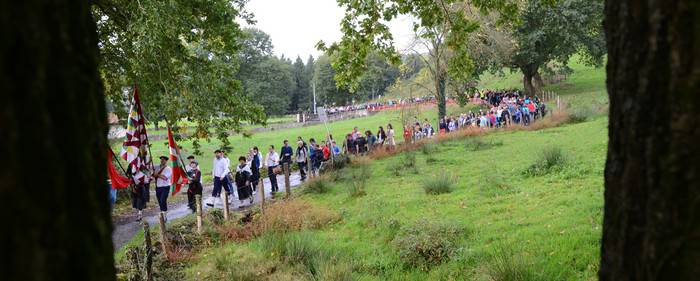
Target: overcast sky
pixel 295 26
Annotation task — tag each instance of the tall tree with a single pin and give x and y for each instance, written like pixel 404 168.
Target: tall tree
pixel 651 226
pixel 306 102
pixel 271 83
pixel 439 21
pixel 56 218
pixel 327 91
pixel 302 88
pixel 554 31
pixel 183 56
pixel 377 78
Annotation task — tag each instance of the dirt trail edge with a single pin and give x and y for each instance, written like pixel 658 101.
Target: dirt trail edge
pixel 126 227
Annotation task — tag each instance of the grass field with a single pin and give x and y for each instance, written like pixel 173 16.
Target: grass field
pixel 513 205
pixel 550 223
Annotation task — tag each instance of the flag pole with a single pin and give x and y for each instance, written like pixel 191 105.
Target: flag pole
pixel 118 163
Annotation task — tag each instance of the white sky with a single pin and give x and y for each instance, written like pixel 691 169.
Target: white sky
pixel 295 26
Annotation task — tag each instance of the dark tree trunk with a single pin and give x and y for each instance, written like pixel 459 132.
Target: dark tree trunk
pixel 529 72
pixel 441 97
pixel 651 227
pixel 55 213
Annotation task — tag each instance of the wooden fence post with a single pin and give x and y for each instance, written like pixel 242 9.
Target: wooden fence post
pixel 287 188
pixel 225 205
pixel 163 239
pixel 148 264
pixel 261 190
pixel 198 199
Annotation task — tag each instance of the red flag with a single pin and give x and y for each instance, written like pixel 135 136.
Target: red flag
pixel 179 176
pixel 135 147
pixel 118 181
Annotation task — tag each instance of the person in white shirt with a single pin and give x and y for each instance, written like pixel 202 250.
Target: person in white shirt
pixel 162 175
pixel 272 160
pixel 220 171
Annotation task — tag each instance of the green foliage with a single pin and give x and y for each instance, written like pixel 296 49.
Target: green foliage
pixel 439 184
pixel 426 243
pixel 581 114
pixel 477 144
pixel 360 177
pixel 429 148
pixel 492 183
pixel 182 56
pixel 317 185
pixel 550 159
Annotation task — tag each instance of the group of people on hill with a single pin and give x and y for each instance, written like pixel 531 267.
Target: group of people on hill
pixel 505 108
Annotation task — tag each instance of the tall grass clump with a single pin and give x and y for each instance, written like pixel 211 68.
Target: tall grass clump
pixel 295 248
pixel 492 183
pixel 550 159
pixel 407 163
pixel 439 184
pixel 318 185
pixel 477 144
pixel 426 243
pixel 581 114
pixel 360 176
pixel 508 266
pixel 429 148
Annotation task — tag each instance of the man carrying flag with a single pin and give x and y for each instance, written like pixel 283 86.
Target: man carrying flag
pixel 135 152
pixel 179 176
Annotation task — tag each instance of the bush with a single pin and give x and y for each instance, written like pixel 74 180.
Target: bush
pixel 493 183
pixel 360 175
pixel 429 148
pixel 439 184
pixel 550 159
pixel 581 114
pixel 295 248
pixel 476 144
pixel 426 244
pixel 507 266
pixel 318 184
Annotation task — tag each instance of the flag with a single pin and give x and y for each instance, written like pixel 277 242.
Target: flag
pixel 118 181
pixel 179 176
pixel 135 146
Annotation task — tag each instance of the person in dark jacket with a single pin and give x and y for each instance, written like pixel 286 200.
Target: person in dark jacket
pixel 195 184
pixel 286 155
pixel 242 180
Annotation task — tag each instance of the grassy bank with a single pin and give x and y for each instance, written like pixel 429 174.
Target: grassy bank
pixel 497 219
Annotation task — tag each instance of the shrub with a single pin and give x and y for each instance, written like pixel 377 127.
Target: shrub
pixel 429 148
pixel 296 248
pixel 549 160
pixel 476 144
pixel 426 244
pixel 282 216
pixel 318 184
pixel 360 175
pixel 581 114
pixel 493 183
pixel 507 266
pixel 335 271
pixel 439 184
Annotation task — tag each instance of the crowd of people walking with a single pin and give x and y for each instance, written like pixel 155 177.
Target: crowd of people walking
pixel 499 109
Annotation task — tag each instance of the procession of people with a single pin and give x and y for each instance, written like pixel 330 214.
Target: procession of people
pixel 505 108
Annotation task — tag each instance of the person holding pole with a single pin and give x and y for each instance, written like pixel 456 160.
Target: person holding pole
pixel 220 173
pixel 272 162
pixel 162 176
pixel 195 183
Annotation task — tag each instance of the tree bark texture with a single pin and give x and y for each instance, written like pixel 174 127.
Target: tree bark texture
pixel 529 72
pixel 55 214
pixel 441 96
pixel 651 226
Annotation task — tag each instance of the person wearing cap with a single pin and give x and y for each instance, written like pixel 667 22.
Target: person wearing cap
pixel 242 179
pixel 162 176
pixel 194 176
pixel 220 171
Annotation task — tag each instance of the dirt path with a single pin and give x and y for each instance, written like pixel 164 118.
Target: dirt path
pixel 126 226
